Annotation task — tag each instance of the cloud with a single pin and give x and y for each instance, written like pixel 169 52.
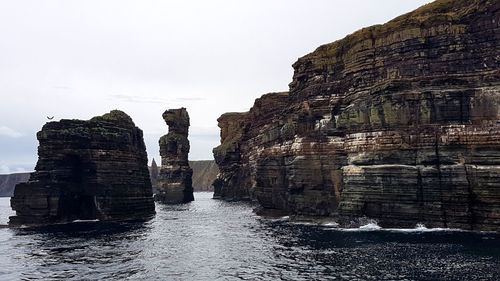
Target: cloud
pixel 15 168
pixel 150 99
pixel 82 58
pixel 61 88
pixel 4 169
pixel 189 99
pixel 8 132
pixel 138 99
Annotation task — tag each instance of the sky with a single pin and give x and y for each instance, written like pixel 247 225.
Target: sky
pixel 79 59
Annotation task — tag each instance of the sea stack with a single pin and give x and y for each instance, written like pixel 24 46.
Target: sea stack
pixel 174 184
pixel 95 169
pixel 153 172
pixel 398 122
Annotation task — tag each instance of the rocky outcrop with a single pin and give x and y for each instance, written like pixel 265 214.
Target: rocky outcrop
pixel 8 182
pixel 398 122
pixel 241 136
pixel 94 169
pixel 175 177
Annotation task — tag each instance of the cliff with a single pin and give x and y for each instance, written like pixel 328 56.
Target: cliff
pixel 8 182
pixel 241 136
pixel 204 174
pixel 396 122
pixel 94 169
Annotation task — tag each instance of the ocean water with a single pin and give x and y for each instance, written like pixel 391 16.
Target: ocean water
pixel 214 240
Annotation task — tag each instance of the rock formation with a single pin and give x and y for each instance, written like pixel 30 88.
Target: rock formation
pixel 175 178
pixel 94 169
pixel 241 134
pixel 153 173
pixel 204 174
pixel 398 122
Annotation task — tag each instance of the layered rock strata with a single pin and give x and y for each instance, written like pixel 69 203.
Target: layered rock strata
pixel 241 137
pixel 398 122
pixel 174 183
pixel 94 169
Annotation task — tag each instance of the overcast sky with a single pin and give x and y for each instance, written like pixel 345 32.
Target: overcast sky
pixel 79 59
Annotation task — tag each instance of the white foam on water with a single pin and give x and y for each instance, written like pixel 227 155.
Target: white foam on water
pixel 422 228
pixel 278 219
pixel 86 220
pixel 419 228
pixel 330 224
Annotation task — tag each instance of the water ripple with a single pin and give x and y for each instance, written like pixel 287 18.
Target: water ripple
pixel 215 240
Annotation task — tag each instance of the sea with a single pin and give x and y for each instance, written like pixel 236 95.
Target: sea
pixel 215 240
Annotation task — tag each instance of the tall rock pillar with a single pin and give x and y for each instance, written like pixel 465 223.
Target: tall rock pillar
pixel 175 177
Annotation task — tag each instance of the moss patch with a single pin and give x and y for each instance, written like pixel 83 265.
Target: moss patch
pixel 115 116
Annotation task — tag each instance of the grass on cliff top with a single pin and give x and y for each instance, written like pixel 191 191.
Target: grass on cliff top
pixel 115 116
pixel 437 11
pixel 228 116
pixel 179 115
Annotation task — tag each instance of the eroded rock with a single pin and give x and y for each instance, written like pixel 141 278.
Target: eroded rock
pixel 174 184
pixel 398 122
pixel 94 169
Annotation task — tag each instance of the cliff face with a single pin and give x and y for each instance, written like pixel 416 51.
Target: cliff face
pixel 94 169
pixel 399 122
pixel 174 183
pixel 241 134
pixel 8 182
pixel 204 174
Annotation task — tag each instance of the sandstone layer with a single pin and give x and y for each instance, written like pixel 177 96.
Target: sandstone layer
pixel 174 183
pixel 397 122
pixel 94 169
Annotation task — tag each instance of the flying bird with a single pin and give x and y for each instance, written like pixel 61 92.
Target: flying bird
pixel 50 118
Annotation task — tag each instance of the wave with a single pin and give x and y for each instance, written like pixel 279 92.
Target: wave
pixel 96 220
pixel 371 226
pixel 419 228
pixel 366 225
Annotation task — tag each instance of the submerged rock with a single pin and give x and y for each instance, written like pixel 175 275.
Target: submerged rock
pixel 398 122
pixel 94 169
pixel 174 183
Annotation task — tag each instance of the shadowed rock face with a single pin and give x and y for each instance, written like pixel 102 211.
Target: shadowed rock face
pixel 241 136
pixel 94 169
pixel 174 184
pixel 398 122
